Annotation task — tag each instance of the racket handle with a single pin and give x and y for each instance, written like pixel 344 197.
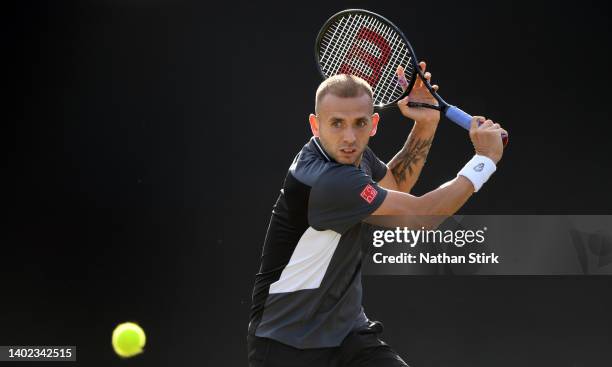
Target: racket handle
pixel 463 119
pixel 459 117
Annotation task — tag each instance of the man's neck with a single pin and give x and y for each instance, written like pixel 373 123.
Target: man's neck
pixel 358 162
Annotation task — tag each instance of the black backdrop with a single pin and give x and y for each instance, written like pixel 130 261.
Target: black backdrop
pixel 151 138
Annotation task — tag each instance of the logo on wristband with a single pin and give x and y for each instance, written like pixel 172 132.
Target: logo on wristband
pixel 479 167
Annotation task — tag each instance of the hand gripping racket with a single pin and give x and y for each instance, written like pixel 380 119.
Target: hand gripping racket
pixel 367 45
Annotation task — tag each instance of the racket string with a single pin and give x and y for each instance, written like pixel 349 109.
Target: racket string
pixel 336 47
pixel 358 59
pixel 328 40
pixel 377 87
pixel 355 47
pixel 385 85
pixel 390 90
pixel 358 63
pixel 343 44
pixel 404 60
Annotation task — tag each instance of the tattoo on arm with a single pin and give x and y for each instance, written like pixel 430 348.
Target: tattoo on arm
pixel 413 152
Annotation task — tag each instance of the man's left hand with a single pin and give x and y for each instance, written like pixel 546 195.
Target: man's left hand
pixel 419 93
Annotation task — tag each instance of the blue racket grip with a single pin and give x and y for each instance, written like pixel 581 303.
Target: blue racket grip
pixel 463 119
pixel 458 116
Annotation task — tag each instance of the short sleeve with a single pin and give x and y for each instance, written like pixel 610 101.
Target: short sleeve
pixel 378 167
pixel 341 197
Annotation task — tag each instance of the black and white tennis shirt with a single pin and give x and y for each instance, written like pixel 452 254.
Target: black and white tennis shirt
pixel 307 293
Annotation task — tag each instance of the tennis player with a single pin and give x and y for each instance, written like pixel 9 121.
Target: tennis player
pixel 307 295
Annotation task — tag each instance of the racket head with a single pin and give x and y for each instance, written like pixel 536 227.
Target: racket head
pixel 368 45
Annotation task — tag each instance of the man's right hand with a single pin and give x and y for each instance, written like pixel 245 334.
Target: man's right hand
pixel 486 137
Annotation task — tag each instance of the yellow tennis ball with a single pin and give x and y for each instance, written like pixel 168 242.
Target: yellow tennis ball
pixel 128 339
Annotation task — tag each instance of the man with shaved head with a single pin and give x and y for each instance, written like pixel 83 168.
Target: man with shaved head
pixel 306 309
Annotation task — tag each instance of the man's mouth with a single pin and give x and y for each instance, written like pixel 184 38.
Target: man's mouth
pixel 348 150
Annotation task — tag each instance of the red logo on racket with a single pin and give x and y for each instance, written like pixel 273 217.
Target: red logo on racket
pixel 360 53
pixel 369 193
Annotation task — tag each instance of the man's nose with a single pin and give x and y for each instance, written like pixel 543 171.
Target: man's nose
pixel 349 136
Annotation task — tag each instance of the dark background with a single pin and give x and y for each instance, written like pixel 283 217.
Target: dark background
pixel 151 138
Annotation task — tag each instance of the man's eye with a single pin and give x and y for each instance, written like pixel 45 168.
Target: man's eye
pixel 336 124
pixel 362 123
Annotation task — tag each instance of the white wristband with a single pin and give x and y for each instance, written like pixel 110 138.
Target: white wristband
pixel 478 170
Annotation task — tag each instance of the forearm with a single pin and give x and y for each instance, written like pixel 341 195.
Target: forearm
pixel 445 200
pixel 407 164
pixel 448 198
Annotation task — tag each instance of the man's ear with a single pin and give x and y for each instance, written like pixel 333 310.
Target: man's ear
pixel 375 119
pixel 314 125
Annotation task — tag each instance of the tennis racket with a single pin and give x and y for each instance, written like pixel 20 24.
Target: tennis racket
pixel 367 45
